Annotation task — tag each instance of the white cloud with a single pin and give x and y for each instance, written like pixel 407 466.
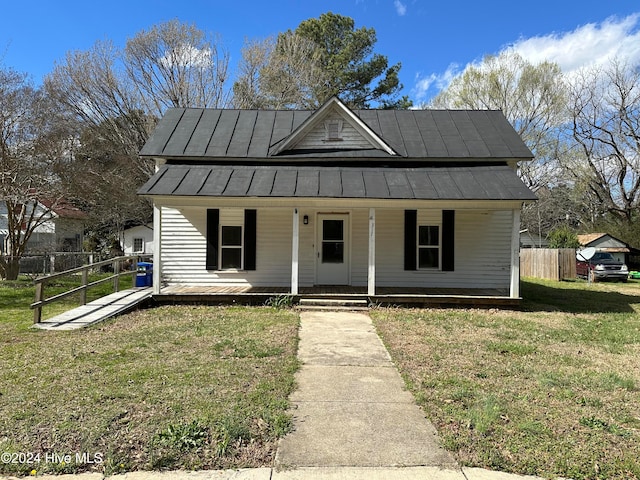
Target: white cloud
pixel 401 8
pixel 187 56
pixel 425 86
pixel 588 45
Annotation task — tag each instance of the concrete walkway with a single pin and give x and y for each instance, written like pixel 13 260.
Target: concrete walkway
pixel 351 408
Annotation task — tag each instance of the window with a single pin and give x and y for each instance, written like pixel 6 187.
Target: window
pixel 333 130
pixel 333 241
pixel 428 246
pixel 230 247
pixel 138 245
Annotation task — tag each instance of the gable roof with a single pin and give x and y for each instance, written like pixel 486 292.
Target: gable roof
pixel 272 135
pixel 335 106
pixel 63 209
pixel 604 242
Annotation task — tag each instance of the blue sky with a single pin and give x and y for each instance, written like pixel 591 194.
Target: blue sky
pixel 434 41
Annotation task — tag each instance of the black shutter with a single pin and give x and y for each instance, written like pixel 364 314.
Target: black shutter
pixel 448 240
pixel 410 239
pixel 213 219
pixel 250 240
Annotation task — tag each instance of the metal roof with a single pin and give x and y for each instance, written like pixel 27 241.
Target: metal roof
pixel 201 134
pixel 479 182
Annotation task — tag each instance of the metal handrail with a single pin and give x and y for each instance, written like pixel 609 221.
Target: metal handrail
pixel 40 301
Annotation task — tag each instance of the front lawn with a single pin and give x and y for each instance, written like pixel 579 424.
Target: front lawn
pixel 552 390
pixel 164 388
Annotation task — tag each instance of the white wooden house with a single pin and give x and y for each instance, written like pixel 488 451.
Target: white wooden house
pixel 138 240
pixel 371 202
pixel 60 227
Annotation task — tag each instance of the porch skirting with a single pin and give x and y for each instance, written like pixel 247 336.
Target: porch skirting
pixel 410 296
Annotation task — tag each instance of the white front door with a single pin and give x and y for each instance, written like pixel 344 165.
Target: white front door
pixel 332 249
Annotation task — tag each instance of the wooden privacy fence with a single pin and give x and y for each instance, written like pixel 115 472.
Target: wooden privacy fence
pixel 548 263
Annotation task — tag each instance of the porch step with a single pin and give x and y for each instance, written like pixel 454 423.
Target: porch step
pixel 333 304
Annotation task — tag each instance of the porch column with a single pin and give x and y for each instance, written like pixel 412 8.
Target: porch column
pixel 157 249
pixel 514 291
pixel 371 276
pixel 295 242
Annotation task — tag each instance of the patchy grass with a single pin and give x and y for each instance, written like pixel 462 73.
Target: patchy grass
pixel 165 388
pixel 16 296
pixel 551 390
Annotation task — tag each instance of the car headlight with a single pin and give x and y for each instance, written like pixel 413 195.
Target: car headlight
pixel 599 267
pixel 623 268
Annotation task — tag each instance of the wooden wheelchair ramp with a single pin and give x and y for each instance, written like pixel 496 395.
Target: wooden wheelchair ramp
pixel 97 311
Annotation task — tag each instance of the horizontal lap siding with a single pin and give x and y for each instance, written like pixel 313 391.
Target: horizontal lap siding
pixel 482 250
pixel 350 137
pixel 184 248
pixel 359 247
pixel 483 247
pixel 359 231
pixel 306 250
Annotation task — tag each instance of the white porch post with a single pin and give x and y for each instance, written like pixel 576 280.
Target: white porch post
pixel 514 291
pixel 371 276
pixel 295 243
pixel 157 249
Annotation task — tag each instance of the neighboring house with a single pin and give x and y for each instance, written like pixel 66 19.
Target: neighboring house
pixel 138 240
pixel 364 201
pixel 603 242
pixel 532 240
pixel 61 231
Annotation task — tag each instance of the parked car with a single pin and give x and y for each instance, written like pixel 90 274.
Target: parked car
pixel 602 266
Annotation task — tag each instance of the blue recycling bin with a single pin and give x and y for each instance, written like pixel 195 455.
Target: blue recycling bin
pixel 144 276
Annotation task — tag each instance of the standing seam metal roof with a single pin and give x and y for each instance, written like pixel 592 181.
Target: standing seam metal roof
pixel 194 133
pixel 426 183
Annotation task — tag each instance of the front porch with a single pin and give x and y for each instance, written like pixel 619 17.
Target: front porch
pixel 408 296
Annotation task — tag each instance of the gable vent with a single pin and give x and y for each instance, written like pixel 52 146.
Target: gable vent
pixel 333 130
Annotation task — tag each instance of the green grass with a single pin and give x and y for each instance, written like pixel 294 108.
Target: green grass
pixel 551 390
pixel 16 296
pixel 164 388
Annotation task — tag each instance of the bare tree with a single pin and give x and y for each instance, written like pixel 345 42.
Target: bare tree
pixel 91 87
pixel 246 89
pixel 28 153
pixel 605 104
pixel 114 98
pixel 533 99
pixel 279 73
pixel 177 65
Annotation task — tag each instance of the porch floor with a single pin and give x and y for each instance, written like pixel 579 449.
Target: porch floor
pixel 384 295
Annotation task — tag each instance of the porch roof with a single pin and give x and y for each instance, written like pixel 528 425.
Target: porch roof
pixel 489 182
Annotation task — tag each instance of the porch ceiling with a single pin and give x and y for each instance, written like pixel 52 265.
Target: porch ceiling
pixel 490 182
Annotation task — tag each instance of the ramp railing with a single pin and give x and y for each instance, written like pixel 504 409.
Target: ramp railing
pixel 117 263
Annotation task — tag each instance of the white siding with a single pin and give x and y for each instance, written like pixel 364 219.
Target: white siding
pixel 359 247
pixel 141 231
pixel 184 248
pixel 482 248
pixel 351 138
pixel 307 251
